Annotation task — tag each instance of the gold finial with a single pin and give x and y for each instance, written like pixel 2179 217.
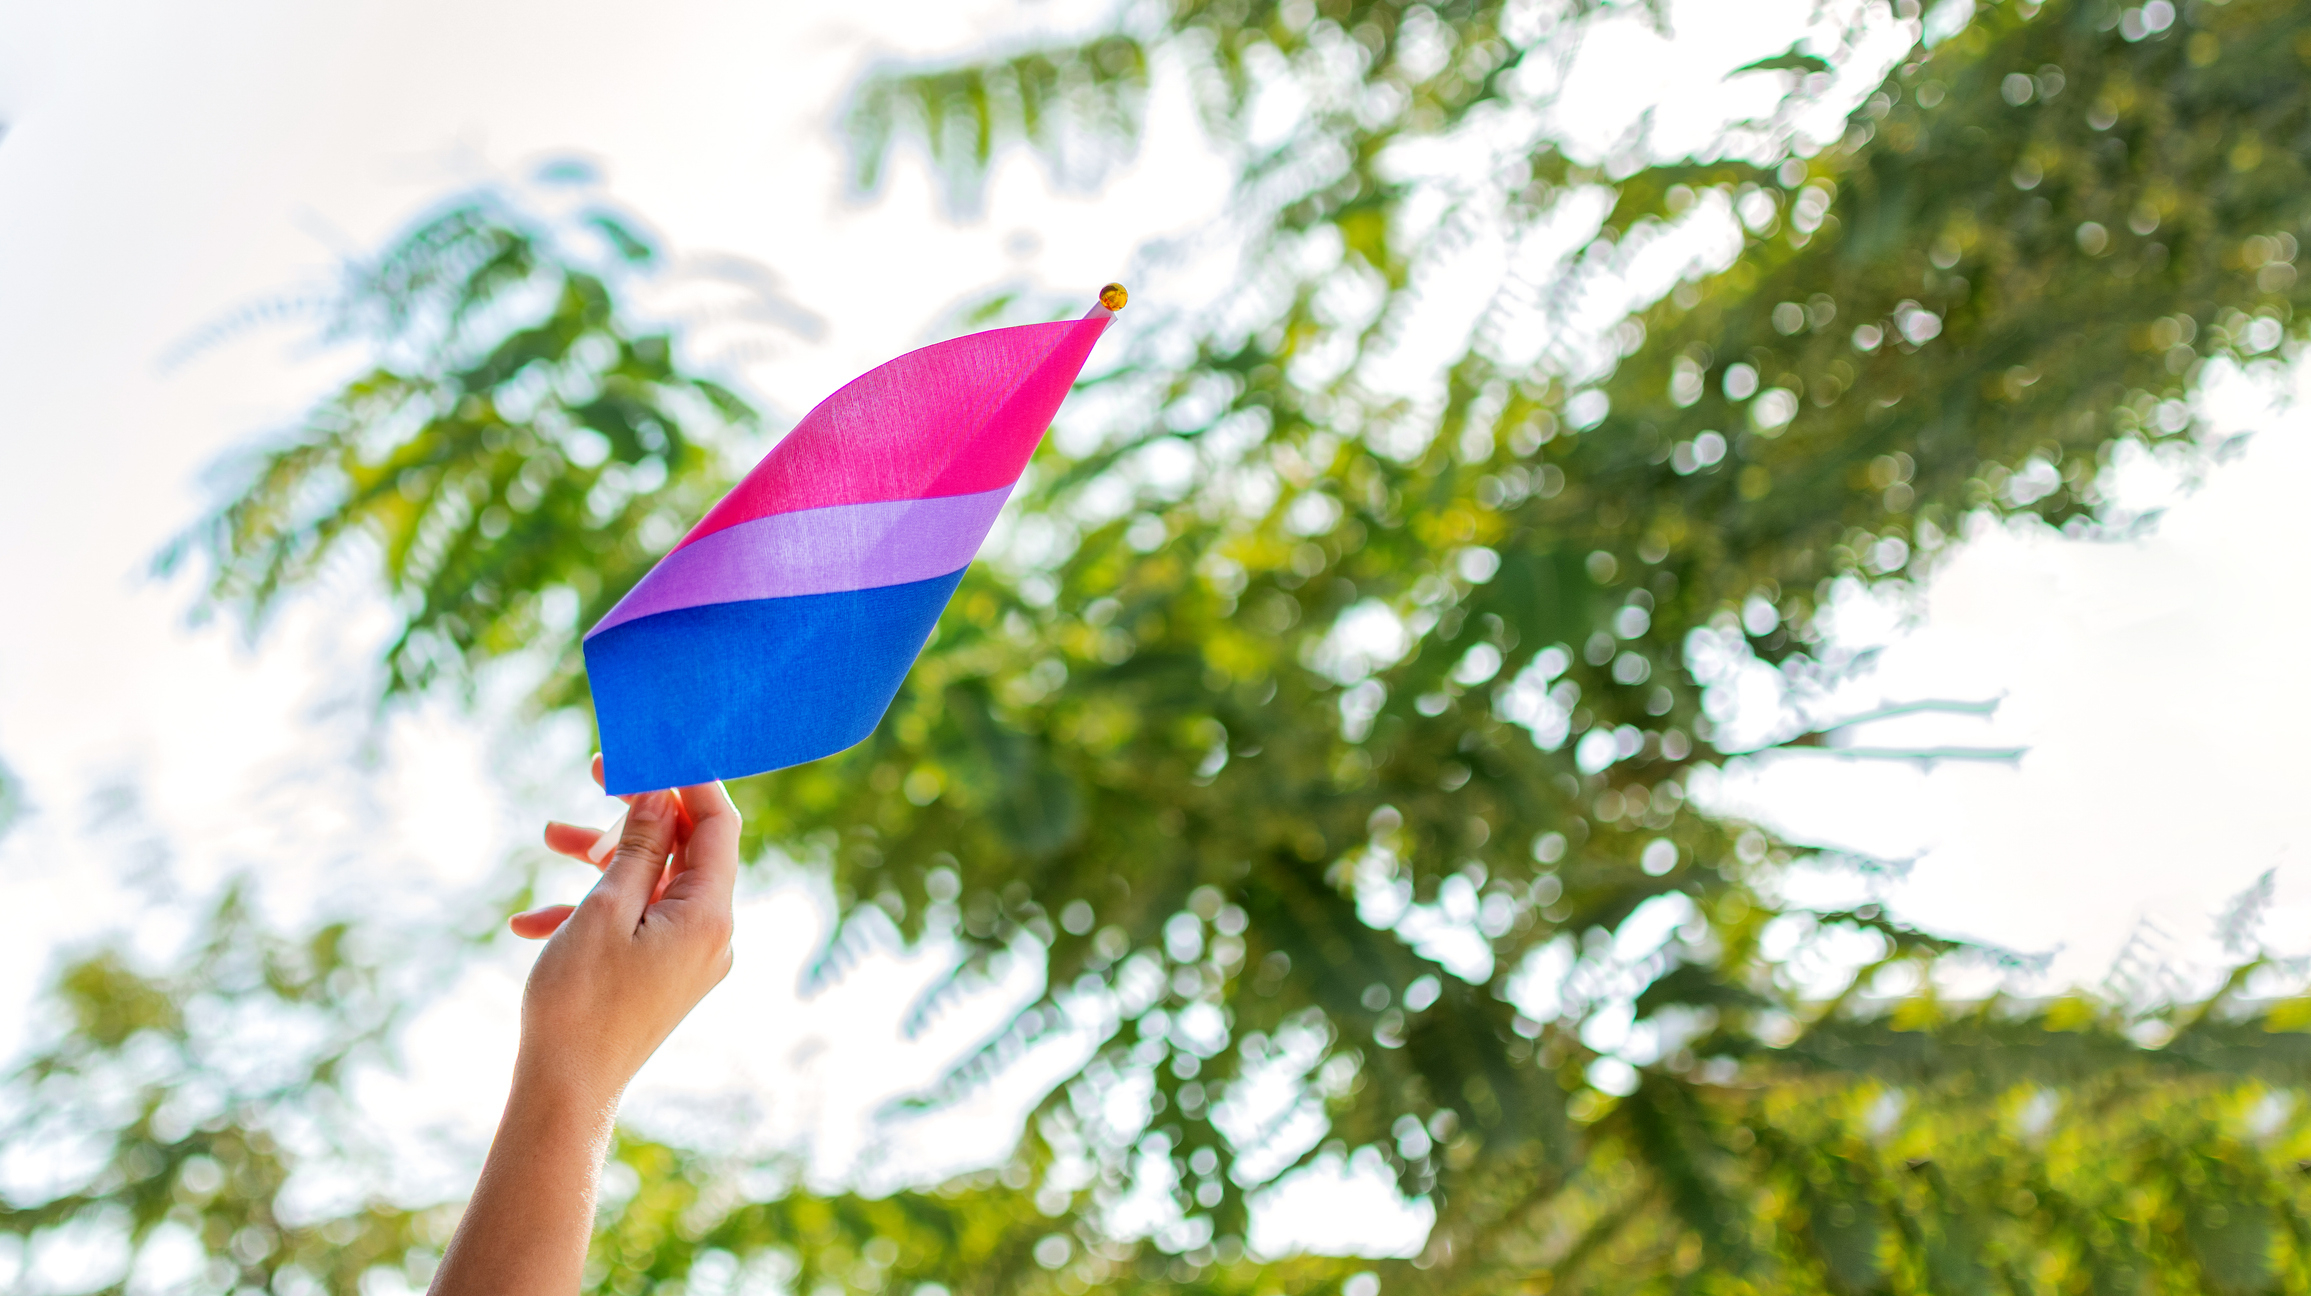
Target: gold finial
pixel 1113 297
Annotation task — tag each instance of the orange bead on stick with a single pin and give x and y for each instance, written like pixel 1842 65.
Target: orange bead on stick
pixel 1113 296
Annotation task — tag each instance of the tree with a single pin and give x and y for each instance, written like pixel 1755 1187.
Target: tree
pixel 1246 761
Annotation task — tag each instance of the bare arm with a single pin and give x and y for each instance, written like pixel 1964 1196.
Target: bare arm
pixel 620 971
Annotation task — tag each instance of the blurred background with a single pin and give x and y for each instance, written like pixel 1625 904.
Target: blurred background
pixel 1660 656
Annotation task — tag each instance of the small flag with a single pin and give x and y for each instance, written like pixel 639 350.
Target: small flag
pixel 780 628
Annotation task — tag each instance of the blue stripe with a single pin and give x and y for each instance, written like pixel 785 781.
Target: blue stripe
pixel 730 689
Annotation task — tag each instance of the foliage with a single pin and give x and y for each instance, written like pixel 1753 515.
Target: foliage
pixel 183 1117
pixel 520 435
pixel 11 799
pixel 1071 104
pixel 1997 1147
pixel 1362 765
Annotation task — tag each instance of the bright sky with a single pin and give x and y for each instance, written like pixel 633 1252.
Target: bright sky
pixel 164 165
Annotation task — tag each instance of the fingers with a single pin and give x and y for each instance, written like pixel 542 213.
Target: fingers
pixel 606 841
pixel 666 875
pixel 592 845
pixel 537 924
pixel 632 875
pixel 709 864
pixel 655 824
pixel 626 797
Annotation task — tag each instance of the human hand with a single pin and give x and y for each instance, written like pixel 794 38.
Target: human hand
pixel 623 967
pixel 594 846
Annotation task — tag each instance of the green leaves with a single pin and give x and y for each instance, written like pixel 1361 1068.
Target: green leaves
pixel 162 1127
pixel 1912 331
pixel 1794 60
pixel 1923 318
pixel 512 468
pixel 1073 105
pixel 1343 736
pixel 11 799
pixel 109 1002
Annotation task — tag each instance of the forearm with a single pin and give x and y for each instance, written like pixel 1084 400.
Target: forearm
pixel 525 1231
pixel 619 970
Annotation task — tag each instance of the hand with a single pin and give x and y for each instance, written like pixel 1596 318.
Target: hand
pixel 652 937
pixel 622 968
pixel 592 845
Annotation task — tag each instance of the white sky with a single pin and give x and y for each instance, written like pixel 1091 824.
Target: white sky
pixel 165 164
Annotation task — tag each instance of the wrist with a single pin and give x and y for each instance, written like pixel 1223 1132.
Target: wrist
pixel 564 1089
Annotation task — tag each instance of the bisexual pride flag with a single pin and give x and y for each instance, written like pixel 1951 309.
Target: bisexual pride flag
pixel 780 628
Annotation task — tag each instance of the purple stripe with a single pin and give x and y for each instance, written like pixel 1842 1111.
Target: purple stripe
pixel 816 551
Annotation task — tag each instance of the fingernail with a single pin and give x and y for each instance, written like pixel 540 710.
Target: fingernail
pixel 649 807
pixel 607 842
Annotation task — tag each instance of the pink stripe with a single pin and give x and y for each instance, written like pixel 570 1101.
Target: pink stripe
pixel 957 418
pixel 818 551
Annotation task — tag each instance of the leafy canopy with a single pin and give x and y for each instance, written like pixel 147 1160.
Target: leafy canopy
pixel 1332 742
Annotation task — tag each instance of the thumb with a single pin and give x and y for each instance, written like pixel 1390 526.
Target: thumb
pixel 633 872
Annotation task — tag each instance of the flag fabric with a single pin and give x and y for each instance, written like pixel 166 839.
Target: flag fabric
pixel 780 628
